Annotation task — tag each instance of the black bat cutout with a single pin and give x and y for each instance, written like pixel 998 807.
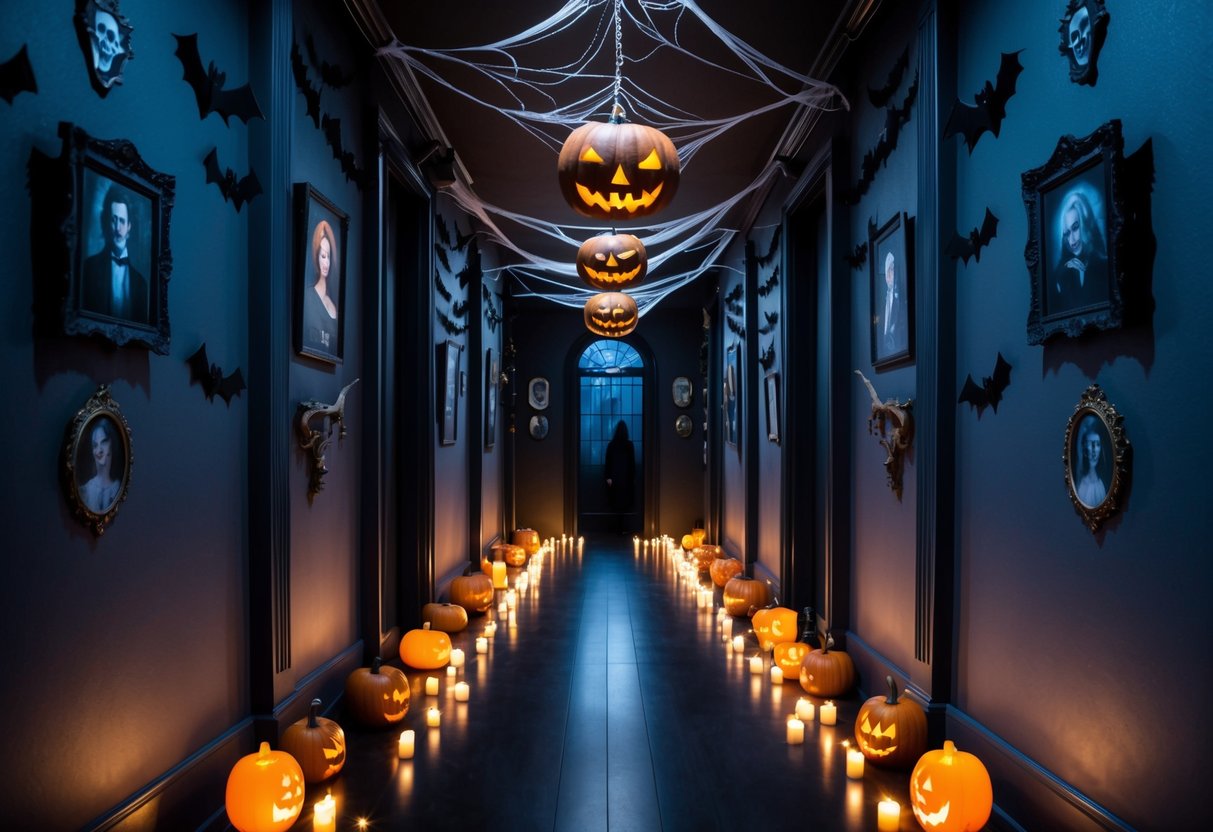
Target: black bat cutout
pixel 490 308
pixel 733 295
pixel 962 248
pixel 990 392
pixel 17 76
pixel 471 267
pixel 772 249
pixel 442 258
pixel 769 284
pixel 208 86
pixel 737 328
pixel 311 94
pixel 331 75
pixel 894 119
pixel 767 359
pixel 444 233
pixel 349 164
pixel 858 257
pixel 441 287
pixel 238 191
pixel 991 106
pixel 212 378
pixel 460 309
pixel 769 326
pixel 450 326
pixel 735 308
pixel 462 240
pixel 881 97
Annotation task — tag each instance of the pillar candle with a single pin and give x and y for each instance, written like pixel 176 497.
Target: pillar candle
pixel 513 621
pixel 888 815
pixel 828 713
pixel 795 731
pixel 461 691
pixel 854 763
pixel 406 745
pixel 738 644
pixel 726 628
pixel 728 646
pixel 511 598
pixel 756 665
pixel 805 709
pixel 431 685
pixel 499 579
pixel 490 629
pixel 324 817
pixel 457 657
pixel 776 675
pixel 482 645
pixel 503 608
pixel 451 671
pixel 432 717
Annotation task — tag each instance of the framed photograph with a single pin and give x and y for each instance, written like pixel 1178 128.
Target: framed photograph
pixel 683 426
pixel 449 355
pixel 537 393
pixel 491 374
pixel 538 426
pixel 731 395
pixel 772 398
pixel 1084 26
pixel 97 461
pixel 891 292
pixel 1097 456
pixel 105 39
pixel 113 223
pixel 682 391
pixel 1075 219
pixel 321 231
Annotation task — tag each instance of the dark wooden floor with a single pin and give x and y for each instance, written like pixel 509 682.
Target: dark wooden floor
pixel 612 705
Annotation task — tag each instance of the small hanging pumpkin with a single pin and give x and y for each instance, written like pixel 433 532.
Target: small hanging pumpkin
pixel 890 731
pixel 528 539
pixel 743 595
pixel 611 314
pixel 472 592
pixel 378 695
pixel 773 625
pixel 722 570
pixel 450 618
pixel 950 791
pixel 317 744
pixel 827 672
pixel 616 170
pixel 264 791
pixel 789 655
pixel 705 554
pixel 612 261
pixel 425 649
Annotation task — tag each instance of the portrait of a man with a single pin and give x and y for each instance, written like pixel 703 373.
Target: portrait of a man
pixel 537 394
pixel 113 278
pixel 892 323
pixel 1078 271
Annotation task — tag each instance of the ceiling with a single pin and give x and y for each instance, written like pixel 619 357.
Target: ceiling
pixel 514 170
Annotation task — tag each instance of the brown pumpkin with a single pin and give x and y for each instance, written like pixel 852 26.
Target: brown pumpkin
pixel 722 570
pixel 377 696
pixel 528 539
pixel 705 554
pixel 316 743
pixel 512 554
pixel 450 618
pixel 612 261
pixel 890 731
pixel 773 625
pixel 616 170
pixel 827 672
pixel 743 595
pixel 472 592
pixel 950 791
pixel 789 655
pixel 425 649
pixel 611 314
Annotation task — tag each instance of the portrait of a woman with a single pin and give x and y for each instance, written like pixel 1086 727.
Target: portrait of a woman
pixel 320 321
pixel 1091 468
pixel 101 444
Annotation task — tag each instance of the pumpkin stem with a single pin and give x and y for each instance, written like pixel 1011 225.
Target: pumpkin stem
pixel 311 714
pixel 826 641
pixel 376 664
pixel 892 700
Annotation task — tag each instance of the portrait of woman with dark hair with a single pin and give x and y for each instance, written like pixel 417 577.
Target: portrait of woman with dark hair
pixel 320 319
pixel 1092 471
pixel 1080 276
pixel 100 442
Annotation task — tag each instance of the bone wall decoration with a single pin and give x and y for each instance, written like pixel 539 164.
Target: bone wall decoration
pixel 105 40
pixel 1083 29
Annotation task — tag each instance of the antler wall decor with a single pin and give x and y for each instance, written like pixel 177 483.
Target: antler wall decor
pixel 897 443
pixel 317 441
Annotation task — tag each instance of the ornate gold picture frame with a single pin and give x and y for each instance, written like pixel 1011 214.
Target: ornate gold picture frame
pixel 1096 456
pixel 97 461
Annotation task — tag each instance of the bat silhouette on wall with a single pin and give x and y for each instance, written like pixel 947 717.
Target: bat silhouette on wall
pixel 17 76
pixel 444 233
pixel 332 135
pixel 881 97
pixel 460 309
pixel 331 75
pixel 212 378
pixel 769 284
pixel 736 327
pixel 311 94
pixel 858 257
pixel 769 326
pixel 962 248
pixel 208 86
pixel 450 326
pixel 237 191
pixel 991 104
pixel 772 249
pixel 442 258
pixel 462 240
pixel 441 287
pixel 767 359
pixel 894 119
pixel 471 268
pixel 490 308
pixel 989 394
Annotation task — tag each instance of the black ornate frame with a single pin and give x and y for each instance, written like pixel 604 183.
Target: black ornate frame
pixel 86 12
pixel 1098 20
pixel 449 355
pixel 772 406
pixel 1094 404
pixel 310 207
pixel 77 450
pixel 491 374
pixel 894 237
pixel 1075 158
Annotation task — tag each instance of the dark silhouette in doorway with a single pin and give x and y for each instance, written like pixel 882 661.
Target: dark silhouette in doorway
pixel 620 473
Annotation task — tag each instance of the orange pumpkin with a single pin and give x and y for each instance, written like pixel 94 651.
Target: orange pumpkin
pixel 950 791
pixel 705 554
pixel 264 791
pixel 528 539
pixel 450 618
pixel 616 170
pixel 891 731
pixel 689 542
pixel 317 744
pixel 744 595
pixel 472 592
pixel 377 696
pixel 612 261
pixel 789 655
pixel 699 535
pixel 425 649
pixel 722 570
pixel 510 553
pixel 773 625
pixel 611 314
pixel 827 672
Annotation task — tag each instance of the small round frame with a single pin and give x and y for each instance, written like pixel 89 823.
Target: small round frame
pixel 97 461
pixel 1097 458
pixel 538 426
pixel 683 426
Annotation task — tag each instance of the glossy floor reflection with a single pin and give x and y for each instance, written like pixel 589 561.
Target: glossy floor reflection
pixel 613 704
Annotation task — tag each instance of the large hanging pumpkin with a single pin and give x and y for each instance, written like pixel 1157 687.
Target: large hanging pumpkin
pixel 378 695
pixel 891 731
pixel 950 791
pixel 472 592
pixel 744 595
pixel 611 314
pixel 789 655
pixel 722 570
pixel 264 791
pixel 773 625
pixel 616 170
pixel 450 618
pixel 528 539
pixel 827 672
pixel 317 744
pixel 425 649
pixel 612 261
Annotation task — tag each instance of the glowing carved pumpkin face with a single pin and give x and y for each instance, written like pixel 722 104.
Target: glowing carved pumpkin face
pixel 611 314
pixel 264 791
pixel 789 655
pixel 616 171
pixel 891 731
pixel 377 695
pixel 950 791
pixel 425 649
pixel 774 625
pixel 612 261
pixel 317 744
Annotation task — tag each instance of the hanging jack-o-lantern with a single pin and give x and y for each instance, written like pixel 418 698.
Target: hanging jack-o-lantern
pixel 612 261
pixel 611 314
pixel 891 731
pixel 425 649
pixel 378 695
pixel 317 744
pixel 773 625
pixel 827 672
pixel 950 791
pixel 264 791
pixel 472 592
pixel 616 170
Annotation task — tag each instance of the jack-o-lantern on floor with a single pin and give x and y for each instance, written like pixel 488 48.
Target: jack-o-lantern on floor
pixel 264 791
pixel 773 625
pixel 472 592
pixel 950 791
pixel 825 671
pixel 611 314
pixel 891 731
pixel 378 695
pixel 612 261
pixel 425 649
pixel 317 744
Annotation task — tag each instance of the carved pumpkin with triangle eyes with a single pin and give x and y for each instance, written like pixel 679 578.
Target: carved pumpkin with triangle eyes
pixel 891 731
pixel 611 314
pixel 264 791
pixel 317 744
pixel 612 261
pixel 616 170
pixel 950 791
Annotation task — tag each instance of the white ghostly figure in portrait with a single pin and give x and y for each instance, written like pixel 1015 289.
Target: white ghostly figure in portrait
pixel 107 41
pixel 1080 36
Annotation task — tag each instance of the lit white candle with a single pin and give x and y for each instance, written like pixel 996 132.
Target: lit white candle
pixel 728 646
pixel 432 717
pixel 805 709
pixel 431 685
pixel 795 731
pixel 511 599
pixel 636 544
pixel 482 645
pixel 828 713
pixel 462 691
pixel 776 675
pixel 726 628
pixel 756 665
pixel 503 608
pixel 407 744
pixel 457 657
pixel 888 815
pixel 490 629
pixel 854 762
pixel 451 671
pixel 580 544
pixel 499 578
pixel 324 814
pixel 513 621
pixel 738 644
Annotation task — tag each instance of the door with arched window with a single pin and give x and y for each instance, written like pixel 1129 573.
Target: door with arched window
pixel 610 391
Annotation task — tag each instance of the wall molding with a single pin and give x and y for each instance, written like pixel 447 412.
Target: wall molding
pixel 444 581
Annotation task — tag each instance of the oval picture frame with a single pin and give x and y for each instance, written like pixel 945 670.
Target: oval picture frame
pixel 682 391
pixel 538 393
pixel 1096 457
pixel 538 427
pixel 683 426
pixel 97 461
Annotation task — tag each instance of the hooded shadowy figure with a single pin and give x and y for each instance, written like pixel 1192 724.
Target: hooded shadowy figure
pixel 620 471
